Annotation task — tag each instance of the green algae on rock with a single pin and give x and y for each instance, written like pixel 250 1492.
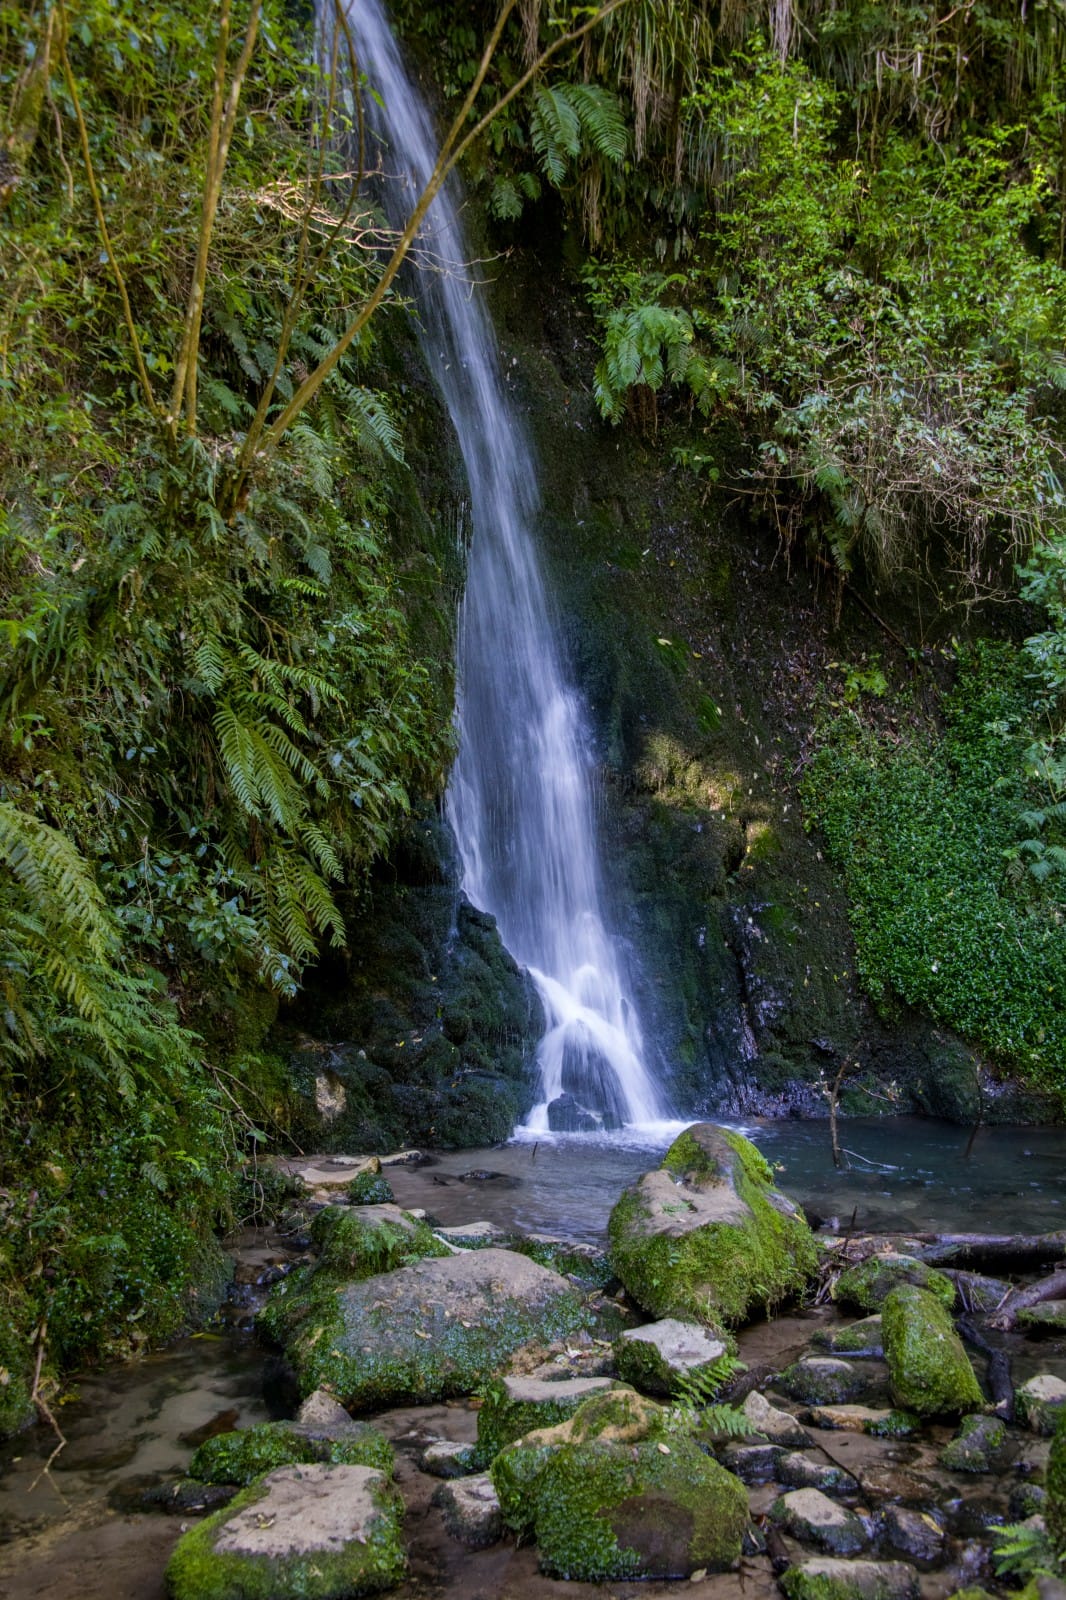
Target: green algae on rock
pixel 869 1283
pixel 976 1445
pixel 706 1235
pixel 823 1381
pixel 829 1578
pixel 245 1454
pixel 435 1328
pixel 1055 1509
pixel 370 1189
pixel 301 1533
pixel 929 1371
pixel 513 1407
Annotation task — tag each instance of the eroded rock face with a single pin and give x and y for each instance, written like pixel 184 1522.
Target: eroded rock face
pixel 706 1235
pixel 300 1533
pixel 435 1328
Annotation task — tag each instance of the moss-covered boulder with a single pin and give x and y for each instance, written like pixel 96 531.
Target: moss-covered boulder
pixel 435 1328
pixel 929 1371
pixel 300 1533
pixel 976 1447
pixel 857 1339
pixel 706 1235
pixel 613 1493
pixel 619 1415
pixel 673 1357
pixel 513 1407
pixel 245 1454
pixel 359 1241
pixel 1041 1401
pixel 1055 1508
pixel 370 1189
pixel 607 1510
pixel 869 1284
pixel 823 1381
pixel 830 1578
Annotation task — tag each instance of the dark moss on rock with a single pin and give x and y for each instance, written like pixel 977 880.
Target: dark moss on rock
pixel 868 1284
pixel 358 1242
pixel 513 1407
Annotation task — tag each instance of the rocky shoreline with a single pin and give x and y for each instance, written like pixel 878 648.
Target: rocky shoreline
pixel 511 1391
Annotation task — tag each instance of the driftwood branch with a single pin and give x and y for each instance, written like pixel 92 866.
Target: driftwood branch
pixel 1050 1288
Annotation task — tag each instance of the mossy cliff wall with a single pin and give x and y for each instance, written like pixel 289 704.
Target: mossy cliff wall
pixel 706 655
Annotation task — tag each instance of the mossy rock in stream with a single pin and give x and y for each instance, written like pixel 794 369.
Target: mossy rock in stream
pixel 245 1454
pixel 615 1492
pixel 929 1371
pixel 308 1532
pixel 514 1406
pixel 356 1242
pixel 868 1284
pixel 707 1236
pixel 435 1328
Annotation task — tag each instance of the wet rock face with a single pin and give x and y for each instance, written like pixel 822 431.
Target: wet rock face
pixel 426 1035
pixel 706 1236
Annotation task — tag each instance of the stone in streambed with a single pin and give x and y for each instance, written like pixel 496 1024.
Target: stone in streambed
pixel 1049 1314
pixel 753 1463
pixel 589 1265
pixel 823 1380
pixel 429 1330
pixel 447 1458
pixel 476 1236
pixel 829 1579
pixel 663 1357
pixel 857 1339
pixel 706 1236
pixel 914 1534
pixel 245 1454
pixel 780 1427
pixel 514 1406
pixel 471 1510
pixel 869 1284
pixel 1040 1401
pixel 321 1410
pixel 798 1471
pixel 810 1516
pixel 976 1446
pixel 879 1424
pixel 929 1371
pixel 300 1533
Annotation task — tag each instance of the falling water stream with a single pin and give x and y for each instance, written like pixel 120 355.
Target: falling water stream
pixel 520 799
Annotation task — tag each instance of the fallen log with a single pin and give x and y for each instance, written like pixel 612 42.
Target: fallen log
pixel 1001 1249
pixel 1051 1288
pixel 1000 1383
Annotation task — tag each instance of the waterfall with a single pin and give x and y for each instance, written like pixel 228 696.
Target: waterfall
pixel 521 794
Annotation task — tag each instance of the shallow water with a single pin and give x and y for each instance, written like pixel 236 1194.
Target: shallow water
pixel 904 1173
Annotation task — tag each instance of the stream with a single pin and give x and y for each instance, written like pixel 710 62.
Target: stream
pixel 73 1531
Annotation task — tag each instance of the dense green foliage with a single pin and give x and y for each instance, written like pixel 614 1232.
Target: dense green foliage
pixel 214 712
pixel 946 914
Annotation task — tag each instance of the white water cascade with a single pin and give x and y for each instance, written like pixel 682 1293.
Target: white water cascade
pixel 520 797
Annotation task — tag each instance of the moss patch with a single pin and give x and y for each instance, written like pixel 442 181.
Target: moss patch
pixel 245 1454
pixel 358 1242
pixel 929 1370
pixel 869 1284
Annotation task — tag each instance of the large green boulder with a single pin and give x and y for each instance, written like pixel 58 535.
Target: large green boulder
pixel 615 1492
pixel 301 1533
pixel 928 1369
pixel 706 1235
pixel 435 1328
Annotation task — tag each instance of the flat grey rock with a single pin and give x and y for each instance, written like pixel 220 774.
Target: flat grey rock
pixel 779 1426
pixel 471 1510
pixel 850 1580
pixel 811 1517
